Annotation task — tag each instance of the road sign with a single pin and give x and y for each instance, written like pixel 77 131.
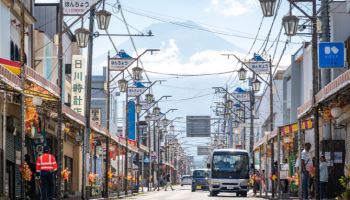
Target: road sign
pixel 135 91
pixel 198 126
pixel 331 55
pixel 76 7
pixel 202 150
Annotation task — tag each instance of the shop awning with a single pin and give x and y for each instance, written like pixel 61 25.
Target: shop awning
pixel 10 78
pixel 143 148
pixel 292 128
pixel 71 114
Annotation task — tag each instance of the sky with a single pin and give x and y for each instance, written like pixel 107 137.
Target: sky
pixel 192 35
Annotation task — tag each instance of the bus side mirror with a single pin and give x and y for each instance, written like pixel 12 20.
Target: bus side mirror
pixel 208 165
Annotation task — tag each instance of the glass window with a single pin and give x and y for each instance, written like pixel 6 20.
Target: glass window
pixel 200 174
pixel 230 162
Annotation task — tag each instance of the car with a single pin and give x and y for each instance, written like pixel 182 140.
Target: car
pixel 186 180
pixel 200 179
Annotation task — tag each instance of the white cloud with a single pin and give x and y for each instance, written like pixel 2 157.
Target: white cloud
pixel 208 61
pixel 232 7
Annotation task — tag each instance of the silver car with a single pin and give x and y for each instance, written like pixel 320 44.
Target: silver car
pixel 186 180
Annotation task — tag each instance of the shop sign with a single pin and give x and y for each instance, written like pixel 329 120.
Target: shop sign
pixel 76 7
pixel 135 91
pixel 331 55
pixel 260 67
pixel 96 116
pixel 120 64
pixel 145 105
pixel 78 84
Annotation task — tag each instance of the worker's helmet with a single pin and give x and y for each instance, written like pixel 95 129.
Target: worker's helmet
pixel 46 149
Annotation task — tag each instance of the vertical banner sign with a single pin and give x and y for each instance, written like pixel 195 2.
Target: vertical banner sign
pixel 132 120
pixel 76 7
pixel 78 84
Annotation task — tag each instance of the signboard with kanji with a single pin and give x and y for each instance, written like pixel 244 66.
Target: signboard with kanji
pixel 331 55
pixel 242 96
pixel 76 7
pixel 78 84
pixel 96 116
pixel 260 67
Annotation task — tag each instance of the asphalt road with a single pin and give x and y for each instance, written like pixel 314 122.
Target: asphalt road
pixel 184 193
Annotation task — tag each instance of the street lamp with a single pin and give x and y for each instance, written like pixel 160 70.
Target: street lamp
pixel 165 122
pixel 290 24
pixel 240 112
pixel 172 128
pixel 156 111
pixel 103 17
pixel 256 85
pixel 82 37
pixel 235 124
pixel 138 108
pixel 227 115
pixel 242 73
pixel 268 7
pixel 122 84
pixel 148 118
pixel 149 97
pixel 229 104
pixel 137 71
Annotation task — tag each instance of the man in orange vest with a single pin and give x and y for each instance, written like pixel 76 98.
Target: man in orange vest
pixel 45 167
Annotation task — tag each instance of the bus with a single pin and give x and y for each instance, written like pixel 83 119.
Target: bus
pixel 229 172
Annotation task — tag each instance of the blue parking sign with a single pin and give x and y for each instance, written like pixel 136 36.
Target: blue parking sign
pixel 331 55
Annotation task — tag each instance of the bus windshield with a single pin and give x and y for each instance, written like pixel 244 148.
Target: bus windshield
pixel 231 165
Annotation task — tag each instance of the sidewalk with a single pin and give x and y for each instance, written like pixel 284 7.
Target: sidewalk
pixel 269 195
pixel 114 195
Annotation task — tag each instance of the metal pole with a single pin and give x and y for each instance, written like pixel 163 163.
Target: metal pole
pixel 3 146
pixel 300 193
pixel 23 74
pixel 88 92
pixel 108 127
pixel 126 143
pixel 251 135
pixel 118 170
pixel 278 163
pixel 271 128
pixel 149 157
pixel 315 81
pixel 158 162
pixel 154 148
pixel 261 178
pixel 266 177
pixel 83 171
pixel 138 145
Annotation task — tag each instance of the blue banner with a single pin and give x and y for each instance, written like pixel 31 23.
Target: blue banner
pixel 132 120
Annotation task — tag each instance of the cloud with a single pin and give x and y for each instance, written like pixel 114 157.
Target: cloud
pixel 208 61
pixel 232 7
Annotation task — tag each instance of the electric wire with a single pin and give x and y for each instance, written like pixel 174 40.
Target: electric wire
pixel 191 75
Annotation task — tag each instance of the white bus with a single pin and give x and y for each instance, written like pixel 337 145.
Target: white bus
pixel 229 172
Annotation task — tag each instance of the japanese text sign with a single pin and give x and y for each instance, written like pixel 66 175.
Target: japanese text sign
pixel 78 84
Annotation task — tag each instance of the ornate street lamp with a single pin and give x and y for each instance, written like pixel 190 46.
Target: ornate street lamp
pixel 229 104
pixel 256 85
pixel 227 115
pixel 122 84
pixel 165 122
pixel 172 128
pixel 235 124
pixel 82 37
pixel 290 24
pixel 137 71
pixel 103 17
pixel 240 112
pixel 242 74
pixel 148 118
pixel 149 97
pixel 138 108
pixel 268 7
pixel 156 111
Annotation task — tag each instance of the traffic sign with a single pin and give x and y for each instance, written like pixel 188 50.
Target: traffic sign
pixel 331 55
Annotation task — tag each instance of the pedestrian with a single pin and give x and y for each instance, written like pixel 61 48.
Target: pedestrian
pixel 31 191
pixel 323 177
pixel 306 163
pixel 168 182
pixel 285 169
pixel 46 167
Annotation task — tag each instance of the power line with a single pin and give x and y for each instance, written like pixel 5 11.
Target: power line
pixel 205 74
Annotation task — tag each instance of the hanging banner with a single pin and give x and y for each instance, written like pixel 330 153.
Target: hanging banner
pixel 131 120
pixel 78 84
pixel 120 61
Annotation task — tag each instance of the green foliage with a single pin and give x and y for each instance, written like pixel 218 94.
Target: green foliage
pixel 345 183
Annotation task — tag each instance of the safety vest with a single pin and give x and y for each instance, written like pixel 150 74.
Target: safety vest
pixel 46 162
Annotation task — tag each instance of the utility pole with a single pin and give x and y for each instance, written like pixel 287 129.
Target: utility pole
pixel 23 108
pixel 106 195
pixel 271 128
pixel 138 144
pixel 3 145
pixel 126 141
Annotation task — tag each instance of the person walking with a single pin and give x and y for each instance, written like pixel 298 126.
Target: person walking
pixel 168 182
pixel 306 163
pixel 46 167
pixel 323 177
pixel 31 191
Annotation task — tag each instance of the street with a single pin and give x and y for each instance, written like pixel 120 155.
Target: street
pixel 184 193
